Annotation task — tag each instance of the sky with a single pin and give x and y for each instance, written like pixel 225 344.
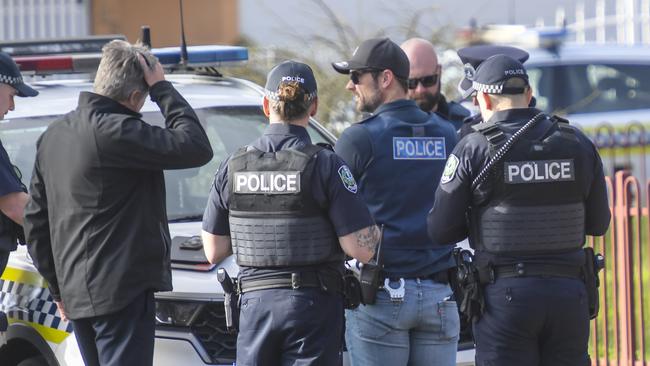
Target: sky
pixel 293 22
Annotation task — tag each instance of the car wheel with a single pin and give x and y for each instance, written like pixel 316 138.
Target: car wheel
pixel 34 361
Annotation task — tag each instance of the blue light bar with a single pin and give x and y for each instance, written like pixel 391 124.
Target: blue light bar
pixel 201 55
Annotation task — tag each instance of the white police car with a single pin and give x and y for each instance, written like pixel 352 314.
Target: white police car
pixel 604 89
pixel 190 327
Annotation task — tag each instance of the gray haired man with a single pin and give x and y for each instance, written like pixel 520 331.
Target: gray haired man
pixel 96 224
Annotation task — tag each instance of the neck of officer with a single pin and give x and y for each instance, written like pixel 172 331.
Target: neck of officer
pixel 303 122
pixel 503 104
pixel 392 93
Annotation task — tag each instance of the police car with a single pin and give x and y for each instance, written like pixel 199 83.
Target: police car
pixel 190 321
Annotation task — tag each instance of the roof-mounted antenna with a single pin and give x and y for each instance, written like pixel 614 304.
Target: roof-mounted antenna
pixel 183 43
pixel 145 36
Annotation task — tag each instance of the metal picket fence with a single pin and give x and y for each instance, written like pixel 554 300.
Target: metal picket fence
pixel 618 335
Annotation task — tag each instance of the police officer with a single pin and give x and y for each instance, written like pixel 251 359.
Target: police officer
pixel 289 210
pixel 398 156
pixel 13 194
pixel 471 57
pixel 527 218
pixel 424 82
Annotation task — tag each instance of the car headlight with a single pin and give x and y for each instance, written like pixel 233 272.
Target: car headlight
pixel 177 313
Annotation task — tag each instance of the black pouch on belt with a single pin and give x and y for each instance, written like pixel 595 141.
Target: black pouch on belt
pixel 593 264
pixel 351 290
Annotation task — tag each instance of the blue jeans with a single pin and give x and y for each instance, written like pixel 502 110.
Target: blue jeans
pixel 421 330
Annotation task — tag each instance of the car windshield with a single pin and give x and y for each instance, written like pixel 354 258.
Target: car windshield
pixel 590 87
pixel 187 190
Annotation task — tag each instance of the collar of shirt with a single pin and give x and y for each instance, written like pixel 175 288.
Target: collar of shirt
pixel 104 104
pixel 515 115
pixel 395 105
pixel 281 135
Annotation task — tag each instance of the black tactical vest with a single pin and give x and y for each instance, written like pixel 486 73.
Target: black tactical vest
pixel 537 197
pixel 274 219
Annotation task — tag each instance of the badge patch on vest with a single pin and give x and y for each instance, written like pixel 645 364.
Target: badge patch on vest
pixel 450 169
pixel 419 148
pixel 268 182
pixel 348 179
pixel 539 171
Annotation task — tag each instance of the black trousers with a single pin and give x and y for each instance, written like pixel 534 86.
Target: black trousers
pixel 282 327
pixel 534 321
pixel 125 337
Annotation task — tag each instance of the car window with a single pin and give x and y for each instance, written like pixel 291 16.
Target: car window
pixel 590 88
pixel 187 190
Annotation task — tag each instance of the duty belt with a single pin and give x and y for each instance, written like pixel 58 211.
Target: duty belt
pixel 296 280
pixel 489 274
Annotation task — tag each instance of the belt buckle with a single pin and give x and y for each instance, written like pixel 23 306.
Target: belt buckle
pixel 396 294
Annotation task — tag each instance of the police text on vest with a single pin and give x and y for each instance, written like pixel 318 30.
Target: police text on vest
pixel 539 171
pixel 269 182
pixel 419 148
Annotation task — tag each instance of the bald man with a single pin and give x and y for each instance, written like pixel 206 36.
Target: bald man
pixel 424 82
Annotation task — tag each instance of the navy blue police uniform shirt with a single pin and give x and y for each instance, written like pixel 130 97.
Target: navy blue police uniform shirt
pixel 9 183
pixel 397 157
pixel 447 220
pixel 338 197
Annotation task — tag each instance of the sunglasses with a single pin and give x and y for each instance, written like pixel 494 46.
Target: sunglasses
pixel 427 81
pixel 355 75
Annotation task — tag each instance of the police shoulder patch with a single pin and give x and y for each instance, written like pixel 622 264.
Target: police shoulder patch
pixel 348 179
pixel 450 169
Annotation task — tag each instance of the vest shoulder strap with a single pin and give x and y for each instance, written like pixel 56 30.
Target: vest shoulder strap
pixel 495 137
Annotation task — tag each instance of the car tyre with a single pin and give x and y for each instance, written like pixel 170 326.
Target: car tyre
pixel 34 361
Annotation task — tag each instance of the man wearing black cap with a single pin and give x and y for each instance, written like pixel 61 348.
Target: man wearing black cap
pixel 471 57
pixel 13 194
pixel 425 85
pixel 398 155
pixel 526 189
pixel 289 235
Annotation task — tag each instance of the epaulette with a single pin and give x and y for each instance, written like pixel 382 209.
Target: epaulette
pixel 325 146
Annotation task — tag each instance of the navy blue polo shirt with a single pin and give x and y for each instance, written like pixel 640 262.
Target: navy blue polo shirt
pixel 9 182
pixel 345 208
pixel 398 156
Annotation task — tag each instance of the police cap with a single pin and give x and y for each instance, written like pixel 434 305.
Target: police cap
pixel 378 54
pixel 471 57
pixel 290 71
pixel 10 75
pixel 493 73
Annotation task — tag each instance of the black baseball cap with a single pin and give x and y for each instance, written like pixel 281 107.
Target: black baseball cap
pixel 473 56
pixel 493 73
pixel 10 75
pixel 379 54
pixel 290 71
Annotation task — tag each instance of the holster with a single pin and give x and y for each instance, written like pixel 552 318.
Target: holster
pixel 467 287
pixel 593 264
pixel 231 308
pixel 351 290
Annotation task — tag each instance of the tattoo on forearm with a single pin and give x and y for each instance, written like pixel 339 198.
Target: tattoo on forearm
pixel 368 238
